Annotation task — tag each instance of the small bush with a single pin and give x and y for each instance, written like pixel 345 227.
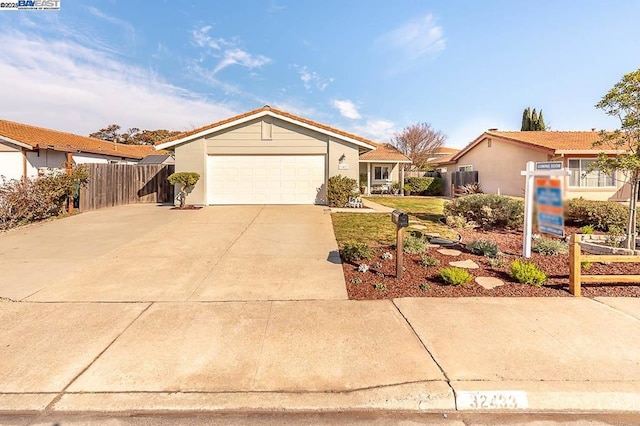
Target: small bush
pixel 386 256
pixel 356 280
pixel 377 265
pixel 586 265
pixel 459 222
pixel 414 244
pixel 527 273
pixel 339 189
pixel 471 188
pixel 587 229
pixel 363 268
pixel 455 276
pixel 496 262
pixel 482 247
pixel 429 261
pixel 380 286
pixel 187 181
pixel 549 246
pixel 601 215
pixel 353 250
pixel 425 286
pixel 424 185
pixel 487 210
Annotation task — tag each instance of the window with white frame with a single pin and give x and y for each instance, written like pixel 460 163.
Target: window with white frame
pixel 467 168
pixel 381 173
pixel 583 177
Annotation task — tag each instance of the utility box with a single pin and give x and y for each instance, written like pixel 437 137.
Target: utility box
pixel 401 219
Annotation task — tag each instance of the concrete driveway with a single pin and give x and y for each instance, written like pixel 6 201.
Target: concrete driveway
pixel 144 253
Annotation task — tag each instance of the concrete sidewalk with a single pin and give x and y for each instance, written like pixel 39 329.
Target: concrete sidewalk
pixel 414 354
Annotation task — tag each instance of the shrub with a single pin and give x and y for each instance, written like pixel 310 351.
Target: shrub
pixel 488 210
pixel 356 280
pixel 482 247
pixel 471 188
pixel 424 185
pixel 527 273
pixel 186 180
pixel 587 229
pixel 386 256
pixel 380 286
pixel 549 246
pixel 459 222
pixel 339 189
pixel 425 286
pixel 496 262
pixel 353 250
pixel 377 265
pixel 363 267
pixel 455 276
pixel 599 214
pixel 429 261
pixel 414 244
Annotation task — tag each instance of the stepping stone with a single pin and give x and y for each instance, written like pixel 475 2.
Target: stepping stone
pixel 465 264
pixel 419 227
pixel 450 252
pixel 489 282
pixel 429 246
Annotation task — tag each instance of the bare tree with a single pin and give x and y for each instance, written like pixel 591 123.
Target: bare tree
pixel 418 142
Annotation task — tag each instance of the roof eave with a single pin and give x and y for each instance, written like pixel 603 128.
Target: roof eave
pixel 18 143
pixel 589 151
pixel 253 117
pixel 385 161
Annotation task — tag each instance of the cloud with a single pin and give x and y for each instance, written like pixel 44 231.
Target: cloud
pixel 226 51
pixel 66 85
pixel 347 108
pixel 311 79
pixel 379 130
pixel 127 27
pixel 418 37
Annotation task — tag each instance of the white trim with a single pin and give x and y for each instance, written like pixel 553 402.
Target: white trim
pixel 15 142
pixel 385 161
pixel 465 166
pixel 253 117
pixel 589 151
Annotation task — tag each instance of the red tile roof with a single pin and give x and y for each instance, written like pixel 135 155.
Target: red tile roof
pixel 445 150
pixel 382 151
pixel 39 137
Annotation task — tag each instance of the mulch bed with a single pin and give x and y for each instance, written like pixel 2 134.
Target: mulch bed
pixel 509 243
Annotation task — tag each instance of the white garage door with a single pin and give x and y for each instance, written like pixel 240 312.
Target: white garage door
pixel 264 179
pixel 11 165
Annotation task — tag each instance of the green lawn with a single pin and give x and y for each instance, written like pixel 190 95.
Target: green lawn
pixel 377 229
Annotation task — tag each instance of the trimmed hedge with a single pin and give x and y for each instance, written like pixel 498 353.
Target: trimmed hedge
pixel 601 215
pixel 424 185
pixel 488 210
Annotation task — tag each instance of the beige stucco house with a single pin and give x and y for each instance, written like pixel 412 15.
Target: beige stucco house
pixel 500 156
pixel 26 151
pixel 269 156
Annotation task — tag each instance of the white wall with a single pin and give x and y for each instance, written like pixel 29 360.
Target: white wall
pixel 44 158
pixel 85 158
pixel 11 165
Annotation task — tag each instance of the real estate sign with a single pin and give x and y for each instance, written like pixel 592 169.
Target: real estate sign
pixel 549 204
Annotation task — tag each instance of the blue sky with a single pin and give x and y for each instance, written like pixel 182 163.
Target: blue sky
pixel 366 66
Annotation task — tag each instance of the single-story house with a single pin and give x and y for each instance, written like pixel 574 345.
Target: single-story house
pixel 27 150
pixel 269 156
pixel 500 156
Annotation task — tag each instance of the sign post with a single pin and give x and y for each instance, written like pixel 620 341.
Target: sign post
pixel 533 170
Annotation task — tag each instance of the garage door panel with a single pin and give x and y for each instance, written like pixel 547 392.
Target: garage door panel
pixel 264 179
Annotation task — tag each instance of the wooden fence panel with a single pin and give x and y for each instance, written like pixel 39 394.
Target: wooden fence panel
pixel 113 185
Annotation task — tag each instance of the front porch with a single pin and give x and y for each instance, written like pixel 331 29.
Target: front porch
pixel 379 177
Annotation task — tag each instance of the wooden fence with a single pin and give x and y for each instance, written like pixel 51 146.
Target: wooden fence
pixel 576 278
pixel 451 181
pixel 117 184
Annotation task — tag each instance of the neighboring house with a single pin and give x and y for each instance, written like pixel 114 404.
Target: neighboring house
pixel 166 159
pixel 499 157
pixel 269 156
pixel 441 156
pixel 27 150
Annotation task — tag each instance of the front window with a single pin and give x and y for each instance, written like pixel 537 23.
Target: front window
pixel 582 177
pixel 467 168
pixel 381 173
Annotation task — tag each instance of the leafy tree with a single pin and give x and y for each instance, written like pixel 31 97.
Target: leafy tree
pixel 133 136
pixel 186 180
pixel 418 142
pixel 623 102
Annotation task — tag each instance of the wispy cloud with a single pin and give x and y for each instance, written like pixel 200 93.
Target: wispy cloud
pixel 227 52
pixel 125 26
pixel 311 79
pixel 376 129
pixel 418 37
pixel 62 84
pixel 347 108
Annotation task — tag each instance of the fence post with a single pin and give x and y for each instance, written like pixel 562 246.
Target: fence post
pixel 574 265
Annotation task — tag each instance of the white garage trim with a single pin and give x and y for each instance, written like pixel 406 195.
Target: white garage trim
pixel 265 179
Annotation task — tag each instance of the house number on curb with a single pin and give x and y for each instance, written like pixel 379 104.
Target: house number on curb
pixel 492 400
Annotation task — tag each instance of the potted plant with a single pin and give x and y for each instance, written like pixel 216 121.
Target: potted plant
pixel 407 190
pixel 186 180
pixel 363 183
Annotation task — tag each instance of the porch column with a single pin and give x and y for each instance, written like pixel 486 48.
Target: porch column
pixel 368 178
pixel 401 180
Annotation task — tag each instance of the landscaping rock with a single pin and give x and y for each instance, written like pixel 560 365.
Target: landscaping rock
pixel 419 227
pixel 465 264
pixel 489 282
pixel 450 252
pixel 431 234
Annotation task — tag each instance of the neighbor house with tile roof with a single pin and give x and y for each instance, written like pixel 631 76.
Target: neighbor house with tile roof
pixel 270 156
pixel 500 156
pixel 27 150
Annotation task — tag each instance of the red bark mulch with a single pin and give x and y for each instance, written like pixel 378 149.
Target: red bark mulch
pixel 509 243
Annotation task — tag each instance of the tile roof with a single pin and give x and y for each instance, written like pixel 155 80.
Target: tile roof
pixel 445 150
pixel 69 142
pixel 552 139
pixel 384 152
pixel 443 159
